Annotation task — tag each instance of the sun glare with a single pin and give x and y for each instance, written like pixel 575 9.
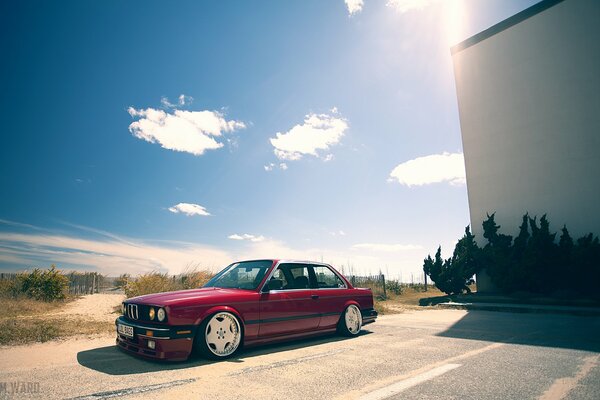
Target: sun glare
pixel 454 20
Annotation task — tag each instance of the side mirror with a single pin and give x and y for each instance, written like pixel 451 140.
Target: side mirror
pixel 273 284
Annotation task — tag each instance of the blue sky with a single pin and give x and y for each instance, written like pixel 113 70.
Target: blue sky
pixel 141 136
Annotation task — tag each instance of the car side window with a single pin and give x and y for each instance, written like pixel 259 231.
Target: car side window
pixel 293 276
pixel 326 278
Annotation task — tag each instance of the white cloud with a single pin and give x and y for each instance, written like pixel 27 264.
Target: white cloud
pixel 436 168
pixel 403 6
pixel 187 131
pixel 340 233
pixel 189 209
pixel 245 236
pixel 269 167
pixel 106 253
pixel 318 132
pixel 387 247
pixel 182 100
pixel 354 6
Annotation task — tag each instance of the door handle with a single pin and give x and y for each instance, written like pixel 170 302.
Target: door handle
pixel 314 296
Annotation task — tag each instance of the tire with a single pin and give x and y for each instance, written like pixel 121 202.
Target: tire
pixel 350 322
pixel 219 336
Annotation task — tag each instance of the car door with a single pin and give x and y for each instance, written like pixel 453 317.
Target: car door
pixel 290 308
pixel 330 294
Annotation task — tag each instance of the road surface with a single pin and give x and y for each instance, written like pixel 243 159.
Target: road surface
pixel 433 354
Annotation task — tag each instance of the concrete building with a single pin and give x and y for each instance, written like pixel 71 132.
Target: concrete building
pixel 529 101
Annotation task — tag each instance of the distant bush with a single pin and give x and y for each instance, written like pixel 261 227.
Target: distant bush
pixel 393 286
pixel 48 285
pixel 156 282
pixel 122 280
pixel 192 279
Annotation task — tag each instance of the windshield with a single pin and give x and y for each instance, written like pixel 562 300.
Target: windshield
pixel 242 275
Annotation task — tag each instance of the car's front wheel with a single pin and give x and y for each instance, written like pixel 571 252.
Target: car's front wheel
pixel 350 322
pixel 219 336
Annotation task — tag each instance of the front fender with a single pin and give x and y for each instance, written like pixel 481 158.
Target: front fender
pixel 215 309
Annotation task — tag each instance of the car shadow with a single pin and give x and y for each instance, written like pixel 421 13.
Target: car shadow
pixel 548 330
pixel 113 361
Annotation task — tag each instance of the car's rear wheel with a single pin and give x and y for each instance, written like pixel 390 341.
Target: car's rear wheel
pixel 350 322
pixel 219 336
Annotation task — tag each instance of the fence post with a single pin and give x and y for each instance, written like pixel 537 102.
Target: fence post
pixel 382 276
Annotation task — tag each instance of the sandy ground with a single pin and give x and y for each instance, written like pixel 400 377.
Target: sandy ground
pixel 98 306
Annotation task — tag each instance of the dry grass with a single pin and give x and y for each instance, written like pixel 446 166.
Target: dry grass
pixel 408 300
pixel 155 282
pixel 15 331
pixel 25 320
pixel 23 306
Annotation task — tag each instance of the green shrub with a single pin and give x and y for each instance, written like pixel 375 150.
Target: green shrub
pixel 531 263
pixel 46 285
pixel 454 275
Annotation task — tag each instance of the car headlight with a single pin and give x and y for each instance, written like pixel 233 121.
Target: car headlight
pixel 123 309
pixel 161 314
pixel 151 313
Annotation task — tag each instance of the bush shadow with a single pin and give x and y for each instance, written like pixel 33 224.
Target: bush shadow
pixel 113 361
pixel 548 330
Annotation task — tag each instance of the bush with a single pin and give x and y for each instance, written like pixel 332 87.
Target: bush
pixel 531 263
pixel 122 280
pixel 152 282
pixel 155 282
pixel 454 275
pixel 49 285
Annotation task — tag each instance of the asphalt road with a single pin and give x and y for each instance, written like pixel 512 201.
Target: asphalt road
pixel 434 354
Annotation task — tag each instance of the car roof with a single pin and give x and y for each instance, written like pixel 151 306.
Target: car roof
pixel 287 261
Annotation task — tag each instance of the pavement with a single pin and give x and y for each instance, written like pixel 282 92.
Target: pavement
pixel 431 354
pixel 522 308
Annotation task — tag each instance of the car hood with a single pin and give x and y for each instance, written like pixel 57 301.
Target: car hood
pixel 196 296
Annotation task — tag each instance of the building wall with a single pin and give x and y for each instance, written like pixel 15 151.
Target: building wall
pixel 529 103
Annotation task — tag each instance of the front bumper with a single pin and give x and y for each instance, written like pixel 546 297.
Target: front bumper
pixel 170 342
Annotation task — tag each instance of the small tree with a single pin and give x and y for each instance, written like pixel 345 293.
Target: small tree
pixel 496 254
pixel 454 275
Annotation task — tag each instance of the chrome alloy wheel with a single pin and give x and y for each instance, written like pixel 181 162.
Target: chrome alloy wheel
pixel 353 319
pixel 223 334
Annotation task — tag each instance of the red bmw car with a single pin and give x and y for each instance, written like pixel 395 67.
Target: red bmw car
pixel 247 303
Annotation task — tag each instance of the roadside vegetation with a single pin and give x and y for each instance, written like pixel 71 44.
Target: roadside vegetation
pixel 156 282
pixel 30 304
pixel 536 262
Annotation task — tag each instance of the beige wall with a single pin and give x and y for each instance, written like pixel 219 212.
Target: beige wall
pixel 529 103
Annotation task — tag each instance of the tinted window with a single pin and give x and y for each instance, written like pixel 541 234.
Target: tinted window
pixel 326 278
pixel 244 275
pixel 293 276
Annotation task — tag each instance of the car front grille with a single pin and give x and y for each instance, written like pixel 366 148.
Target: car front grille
pixel 133 311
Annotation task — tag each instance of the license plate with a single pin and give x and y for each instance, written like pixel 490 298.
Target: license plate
pixel 125 330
